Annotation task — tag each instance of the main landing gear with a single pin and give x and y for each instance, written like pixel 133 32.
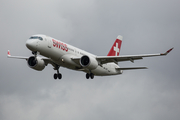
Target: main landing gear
pixel 57 75
pixel 89 75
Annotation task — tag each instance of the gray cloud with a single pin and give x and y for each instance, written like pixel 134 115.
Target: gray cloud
pixel 147 27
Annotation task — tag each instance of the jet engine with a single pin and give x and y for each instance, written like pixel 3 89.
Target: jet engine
pixel 36 63
pixel 88 62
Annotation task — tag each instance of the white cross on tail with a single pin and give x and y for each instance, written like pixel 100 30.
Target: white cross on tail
pixel 116 49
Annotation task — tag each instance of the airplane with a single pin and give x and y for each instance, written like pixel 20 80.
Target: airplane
pixel 58 53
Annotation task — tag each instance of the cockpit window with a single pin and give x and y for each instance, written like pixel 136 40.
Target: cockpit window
pixel 36 37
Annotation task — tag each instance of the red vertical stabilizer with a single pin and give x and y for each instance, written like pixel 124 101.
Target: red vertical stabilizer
pixel 115 49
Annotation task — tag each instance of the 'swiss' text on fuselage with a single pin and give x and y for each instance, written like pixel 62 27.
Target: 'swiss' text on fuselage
pixel 60 45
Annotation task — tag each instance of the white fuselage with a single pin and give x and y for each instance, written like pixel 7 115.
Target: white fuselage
pixel 61 54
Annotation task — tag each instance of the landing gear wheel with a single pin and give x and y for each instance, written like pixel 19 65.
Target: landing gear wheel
pixel 87 75
pixel 91 75
pixel 55 76
pixel 59 76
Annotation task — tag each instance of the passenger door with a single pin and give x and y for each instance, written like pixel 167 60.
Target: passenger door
pixel 49 42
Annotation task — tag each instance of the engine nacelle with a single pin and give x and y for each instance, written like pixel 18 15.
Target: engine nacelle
pixel 88 62
pixel 36 63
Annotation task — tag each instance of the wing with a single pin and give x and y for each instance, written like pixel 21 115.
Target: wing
pixel 17 57
pixel 106 59
pixel 46 60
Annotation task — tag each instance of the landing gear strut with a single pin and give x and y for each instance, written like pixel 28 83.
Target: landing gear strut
pixel 57 75
pixel 91 75
pixel 34 53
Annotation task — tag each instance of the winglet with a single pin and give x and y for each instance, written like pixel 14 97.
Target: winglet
pixel 8 53
pixel 167 51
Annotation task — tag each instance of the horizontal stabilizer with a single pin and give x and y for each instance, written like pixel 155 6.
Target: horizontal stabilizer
pixel 131 68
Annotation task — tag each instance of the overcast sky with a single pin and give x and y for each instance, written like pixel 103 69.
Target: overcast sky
pixel 151 26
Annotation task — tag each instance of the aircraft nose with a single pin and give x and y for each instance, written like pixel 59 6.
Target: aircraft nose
pixel 30 44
